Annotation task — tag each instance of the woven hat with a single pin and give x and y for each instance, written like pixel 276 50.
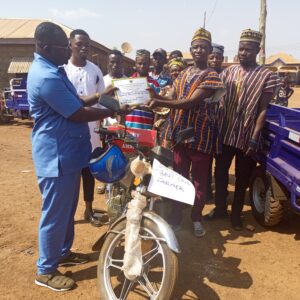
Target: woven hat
pixel 249 35
pixel 202 34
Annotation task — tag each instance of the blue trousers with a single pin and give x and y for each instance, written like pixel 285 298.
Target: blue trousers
pixel 56 229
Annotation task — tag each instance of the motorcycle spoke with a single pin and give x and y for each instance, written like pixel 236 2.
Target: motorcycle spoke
pixel 148 283
pixel 127 285
pixel 147 286
pixel 152 279
pixel 115 263
pixel 152 255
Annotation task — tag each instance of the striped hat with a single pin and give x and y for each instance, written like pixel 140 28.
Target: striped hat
pixel 202 34
pixel 249 35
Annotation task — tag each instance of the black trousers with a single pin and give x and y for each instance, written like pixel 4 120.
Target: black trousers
pixel 88 182
pixel 209 191
pixel 244 166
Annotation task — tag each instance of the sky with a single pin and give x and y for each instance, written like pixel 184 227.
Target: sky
pixel 168 24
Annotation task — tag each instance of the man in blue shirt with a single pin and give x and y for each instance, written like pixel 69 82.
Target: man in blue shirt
pixel 60 148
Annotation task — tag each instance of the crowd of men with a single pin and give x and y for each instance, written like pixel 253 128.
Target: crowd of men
pixel 226 108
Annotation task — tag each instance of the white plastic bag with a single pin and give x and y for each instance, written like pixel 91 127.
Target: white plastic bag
pixel 133 261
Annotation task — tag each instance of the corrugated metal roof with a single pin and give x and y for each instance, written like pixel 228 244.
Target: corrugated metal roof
pixel 286 58
pixel 20 65
pixel 23 28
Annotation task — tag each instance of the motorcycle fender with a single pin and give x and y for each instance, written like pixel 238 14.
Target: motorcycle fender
pixel 165 229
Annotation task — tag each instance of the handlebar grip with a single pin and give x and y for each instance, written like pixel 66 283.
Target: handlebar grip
pixel 105 131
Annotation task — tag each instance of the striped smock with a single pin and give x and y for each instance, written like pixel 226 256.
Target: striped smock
pixel 241 102
pixel 201 117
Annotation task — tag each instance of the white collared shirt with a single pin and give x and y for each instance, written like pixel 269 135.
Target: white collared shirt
pixel 88 81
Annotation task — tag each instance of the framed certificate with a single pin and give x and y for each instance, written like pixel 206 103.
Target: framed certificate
pixel 132 91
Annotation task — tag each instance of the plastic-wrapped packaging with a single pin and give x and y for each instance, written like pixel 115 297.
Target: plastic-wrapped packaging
pixel 133 260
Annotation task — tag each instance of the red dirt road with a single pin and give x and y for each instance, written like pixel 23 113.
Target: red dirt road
pixel 262 265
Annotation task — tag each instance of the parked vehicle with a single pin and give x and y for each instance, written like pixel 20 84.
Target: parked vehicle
pixel 137 238
pixel 16 98
pixel 275 183
pixel 5 116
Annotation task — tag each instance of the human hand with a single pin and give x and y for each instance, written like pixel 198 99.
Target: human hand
pixel 164 91
pixel 109 90
pixel 252 147
pixel 250 151
pixel 153 104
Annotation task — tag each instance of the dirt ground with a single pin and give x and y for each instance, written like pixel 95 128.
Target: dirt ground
pixel 264 264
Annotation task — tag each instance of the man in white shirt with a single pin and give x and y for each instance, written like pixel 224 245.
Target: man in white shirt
pixel 88 80
pixel 115 71
pixel 114 67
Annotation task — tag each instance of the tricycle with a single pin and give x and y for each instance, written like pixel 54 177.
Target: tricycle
pixel 5 116
pixel 275 182
pixel 16 98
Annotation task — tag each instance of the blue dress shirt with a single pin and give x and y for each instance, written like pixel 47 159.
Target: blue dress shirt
pixel 59 146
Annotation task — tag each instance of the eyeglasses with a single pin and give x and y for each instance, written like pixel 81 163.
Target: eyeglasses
pixel 68 47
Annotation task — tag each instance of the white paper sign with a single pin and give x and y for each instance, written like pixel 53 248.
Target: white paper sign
pixel 167 183
pixel 132 91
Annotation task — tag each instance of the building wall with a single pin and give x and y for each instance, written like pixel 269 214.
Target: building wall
pixel 100 58
pixel 292 70
pixel 7 52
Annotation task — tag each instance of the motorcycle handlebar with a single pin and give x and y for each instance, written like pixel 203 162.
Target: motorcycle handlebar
pixel 105 131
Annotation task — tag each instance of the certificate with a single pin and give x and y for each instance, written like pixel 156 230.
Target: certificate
pixel 132 91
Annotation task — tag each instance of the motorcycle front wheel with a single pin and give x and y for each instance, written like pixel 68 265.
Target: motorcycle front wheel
pixel 160 266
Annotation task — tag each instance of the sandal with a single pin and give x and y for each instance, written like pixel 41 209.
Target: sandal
pixel 55 281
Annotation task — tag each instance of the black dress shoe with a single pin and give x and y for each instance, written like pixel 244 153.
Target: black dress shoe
pixel 215 215
pixel 90 218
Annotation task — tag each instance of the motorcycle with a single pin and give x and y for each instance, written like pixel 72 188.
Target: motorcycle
pixel 139 253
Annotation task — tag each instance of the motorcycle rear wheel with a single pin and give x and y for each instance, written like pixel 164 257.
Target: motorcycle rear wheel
pixel 160 266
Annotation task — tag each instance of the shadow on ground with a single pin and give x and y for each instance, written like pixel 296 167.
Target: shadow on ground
pixel 19 122
pixel 204 260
